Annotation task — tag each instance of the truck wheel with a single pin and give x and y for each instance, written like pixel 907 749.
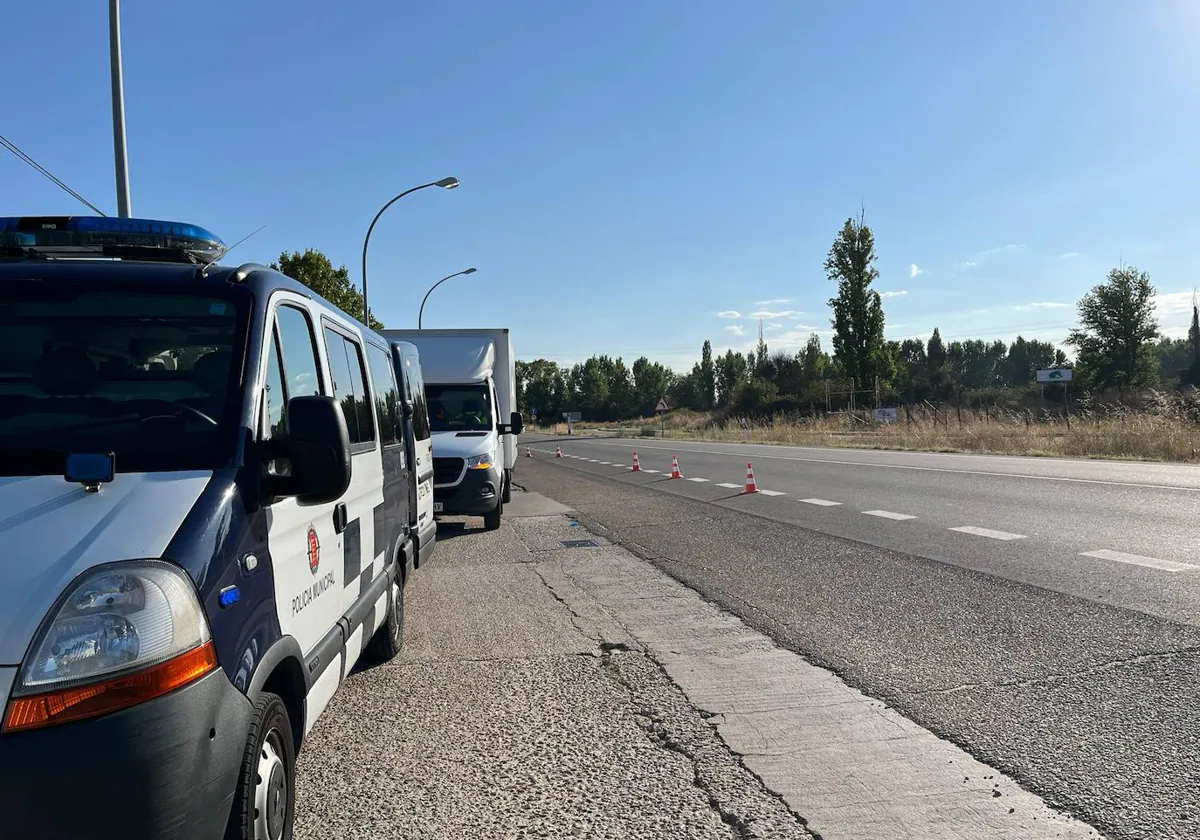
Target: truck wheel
pixel 491 520
pixel 389 638
pixel 507 486
pixel 265 801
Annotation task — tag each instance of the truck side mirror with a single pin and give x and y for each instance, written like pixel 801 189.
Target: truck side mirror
pixel 518 423
pixel 408 410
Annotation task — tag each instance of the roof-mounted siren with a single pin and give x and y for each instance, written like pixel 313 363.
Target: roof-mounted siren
pixel 88 237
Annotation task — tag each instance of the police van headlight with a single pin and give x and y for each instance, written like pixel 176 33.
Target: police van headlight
pixel 120 635
pixel 480 462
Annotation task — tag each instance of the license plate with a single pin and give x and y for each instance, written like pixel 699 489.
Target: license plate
pixel 437 507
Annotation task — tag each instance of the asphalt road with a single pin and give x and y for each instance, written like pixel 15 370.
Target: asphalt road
pixel 1126 534
pixel 1075 686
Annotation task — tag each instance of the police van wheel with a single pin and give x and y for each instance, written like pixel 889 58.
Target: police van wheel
pixel 491 519
pixel 389 638
pixel 264 805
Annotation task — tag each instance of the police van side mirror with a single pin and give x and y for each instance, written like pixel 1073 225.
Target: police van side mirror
pixel 318 449
pixel 518 423
pixel 408 410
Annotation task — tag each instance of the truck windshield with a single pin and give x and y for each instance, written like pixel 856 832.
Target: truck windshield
pixel 459 408
pixel 142 372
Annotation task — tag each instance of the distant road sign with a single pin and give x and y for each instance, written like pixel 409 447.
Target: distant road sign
pixel 572 416
pixel 1054 375
pixel 662 404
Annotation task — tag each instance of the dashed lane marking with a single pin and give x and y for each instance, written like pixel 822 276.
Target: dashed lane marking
pixel 887 514
pixel 643 469
pixel 820 502
pixel 987 532
pixel 1139 560
pixel 771 493
pixel 693 478
pixel 730 486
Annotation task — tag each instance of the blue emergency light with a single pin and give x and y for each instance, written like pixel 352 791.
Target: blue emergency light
pixel 81 236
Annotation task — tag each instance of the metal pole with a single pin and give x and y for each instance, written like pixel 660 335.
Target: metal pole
pixel 445 183
pixel 118 108
pixel 421 311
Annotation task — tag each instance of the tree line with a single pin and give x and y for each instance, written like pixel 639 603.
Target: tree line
pixel 1117 347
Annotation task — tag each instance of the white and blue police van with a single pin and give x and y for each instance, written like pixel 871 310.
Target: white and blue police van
pixel 206 486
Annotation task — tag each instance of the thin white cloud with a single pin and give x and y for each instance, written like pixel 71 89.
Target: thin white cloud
pixel 1068 255
pixel 774 326
pixel 772 302
pixel 1049 304
pixel 987 254
pixel 796 317
pixel 729 313
pixel 1174 303
pixel 766 313
pixel 736 329
pixel 914 270
pixel 894 293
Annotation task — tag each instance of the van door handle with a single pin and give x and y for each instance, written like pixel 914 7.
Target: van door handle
pixel 340 518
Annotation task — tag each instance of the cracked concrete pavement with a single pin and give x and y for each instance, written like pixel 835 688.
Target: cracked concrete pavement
pixel 547 691
pixel 1091 706
pixel 512 714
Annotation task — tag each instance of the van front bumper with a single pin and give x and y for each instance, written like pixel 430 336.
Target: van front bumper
pixel 478 493
pixel 163 770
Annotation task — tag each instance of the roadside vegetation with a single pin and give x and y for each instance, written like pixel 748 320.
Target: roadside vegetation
pixel 1132 391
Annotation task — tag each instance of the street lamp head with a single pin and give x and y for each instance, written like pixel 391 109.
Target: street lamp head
pixel 446 183
pixel 469 271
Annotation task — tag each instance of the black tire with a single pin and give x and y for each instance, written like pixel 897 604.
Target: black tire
pixel 389 638
pixel 507 486
pixel 269 749
pixel 491 520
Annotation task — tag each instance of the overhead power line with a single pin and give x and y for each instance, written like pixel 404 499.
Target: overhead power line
pixel 12 147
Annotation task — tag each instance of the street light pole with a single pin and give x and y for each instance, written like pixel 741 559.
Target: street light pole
pixel 434 286
pixel 118 108
pixel 445 183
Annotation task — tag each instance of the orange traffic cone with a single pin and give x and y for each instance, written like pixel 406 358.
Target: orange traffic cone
pixel 636 466
pixel 557 452
pixel 751 487
pixel 528 454
pixel 675 468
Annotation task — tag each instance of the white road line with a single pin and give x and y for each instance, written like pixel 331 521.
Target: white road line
pixel 643 469
pixel 1139 560
pixel 697 479
pixel 593 461
pixel 771 493
pixel 777 456
pixel 731 486
pixel 820 502
pixel 988 532
pixel 887 514
pixel 606 463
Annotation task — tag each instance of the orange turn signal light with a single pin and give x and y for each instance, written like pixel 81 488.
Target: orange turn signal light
pixel 110 696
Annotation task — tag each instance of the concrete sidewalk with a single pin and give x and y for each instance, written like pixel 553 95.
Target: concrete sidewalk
pixel 554 685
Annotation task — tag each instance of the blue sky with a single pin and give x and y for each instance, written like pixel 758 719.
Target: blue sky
pixel 633 174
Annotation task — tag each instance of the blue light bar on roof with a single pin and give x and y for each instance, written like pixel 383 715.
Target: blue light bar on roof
pixel 93 233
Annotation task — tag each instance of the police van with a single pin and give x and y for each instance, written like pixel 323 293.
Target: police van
pixel 207 490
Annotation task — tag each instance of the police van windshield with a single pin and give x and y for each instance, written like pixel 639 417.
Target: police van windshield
pixel 459 408
pixel 142 372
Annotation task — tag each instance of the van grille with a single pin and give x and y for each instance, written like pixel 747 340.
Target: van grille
pixel 446 470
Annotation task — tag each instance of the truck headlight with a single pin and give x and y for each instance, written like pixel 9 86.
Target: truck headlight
pixel 480 462
pixel 120 635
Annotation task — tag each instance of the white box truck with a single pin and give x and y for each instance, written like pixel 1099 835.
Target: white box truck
pixel 471 392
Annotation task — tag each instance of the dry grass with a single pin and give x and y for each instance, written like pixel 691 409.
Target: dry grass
pixel 1168 429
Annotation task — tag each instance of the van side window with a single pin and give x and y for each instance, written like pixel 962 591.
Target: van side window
pixel 412 375
pixel 349 387
pixel 298 348
pixel 387 396
pixel 276 396
pixel 291 367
